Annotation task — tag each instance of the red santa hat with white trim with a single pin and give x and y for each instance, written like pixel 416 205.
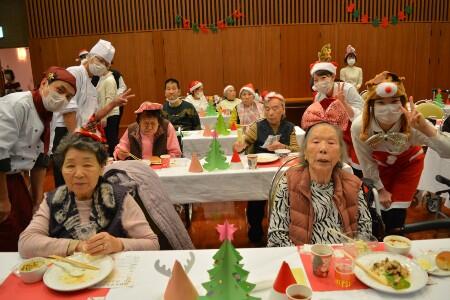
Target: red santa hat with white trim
pixel 194 85
pixel 324 62
pixel 249 88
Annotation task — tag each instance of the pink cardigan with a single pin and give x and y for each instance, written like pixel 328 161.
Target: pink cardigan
pixel 173 147
pixel 34 240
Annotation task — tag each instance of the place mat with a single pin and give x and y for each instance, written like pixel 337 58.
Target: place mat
pixel 320 284
pixel 14 288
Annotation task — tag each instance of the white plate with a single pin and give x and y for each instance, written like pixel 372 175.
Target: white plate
pixel 418 277
pixel 430 260
pixel 264 158
pixel 57 279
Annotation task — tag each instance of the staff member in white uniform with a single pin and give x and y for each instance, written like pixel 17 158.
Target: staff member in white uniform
pixel 85 103
pixel 25 138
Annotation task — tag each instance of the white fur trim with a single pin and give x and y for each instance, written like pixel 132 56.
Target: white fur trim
pixel 246 88
pixel 226 88
pixel 327 66
pixel 193 88
pixel 386 89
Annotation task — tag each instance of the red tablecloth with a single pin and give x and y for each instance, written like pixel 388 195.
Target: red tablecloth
pixel 14 288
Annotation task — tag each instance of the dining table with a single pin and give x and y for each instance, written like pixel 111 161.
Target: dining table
pixel 195 142
pixel 263 264
pixel 212 120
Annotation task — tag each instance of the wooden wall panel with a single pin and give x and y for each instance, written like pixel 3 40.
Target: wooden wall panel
pixel 118 16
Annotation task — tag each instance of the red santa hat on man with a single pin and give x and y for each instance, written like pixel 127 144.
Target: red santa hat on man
pixel 249 88
pixel 324 62
pixel 194 85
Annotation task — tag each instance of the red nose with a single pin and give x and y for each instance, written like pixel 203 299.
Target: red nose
pixel 388 89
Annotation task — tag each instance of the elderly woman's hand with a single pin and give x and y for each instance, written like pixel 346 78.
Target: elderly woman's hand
pixel 122 154
pixel 100 244
pixel 239 146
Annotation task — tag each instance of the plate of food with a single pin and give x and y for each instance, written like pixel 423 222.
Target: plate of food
pixel 265 158
pixel 390 273
pixel 66 277
pixel 436 263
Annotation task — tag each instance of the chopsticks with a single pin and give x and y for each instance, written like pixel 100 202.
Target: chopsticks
pixel 369 272
pixel 133 156
pixel 75 263
pixel 341 234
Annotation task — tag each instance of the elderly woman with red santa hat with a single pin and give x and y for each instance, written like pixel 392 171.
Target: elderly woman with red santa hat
pixel 388 140
pixel 196 96
pixel 25 137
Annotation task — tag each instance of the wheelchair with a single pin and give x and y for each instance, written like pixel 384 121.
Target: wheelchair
pixel 435 200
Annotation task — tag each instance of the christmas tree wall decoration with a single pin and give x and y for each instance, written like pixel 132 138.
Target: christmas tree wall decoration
pixel 211 110
pixel 215 159
pixel 438 100
pixel 228 279
pixel 221 127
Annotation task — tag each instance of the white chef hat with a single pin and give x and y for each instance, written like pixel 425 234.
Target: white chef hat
pixel 104 49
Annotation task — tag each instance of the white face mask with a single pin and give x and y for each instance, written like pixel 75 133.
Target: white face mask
pixel 388 113
pixel 199 94
pixel 97 69
pixel 172 101
pixel 351 61
pixel 323 86
pixel 54 101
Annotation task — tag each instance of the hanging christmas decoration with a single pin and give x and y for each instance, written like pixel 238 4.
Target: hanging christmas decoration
pixel 213 28
pixel 221 25
pixel 376 22
pixel 203 28
pixel 384 22
pixel 230 21
pixel 195 28
pixel 186 24
pixel 394 20
pixel 178 20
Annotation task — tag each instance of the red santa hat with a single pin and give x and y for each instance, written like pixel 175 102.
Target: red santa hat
pixel 226 88
pixel 249 88
pixel 83 52
pixel 194 85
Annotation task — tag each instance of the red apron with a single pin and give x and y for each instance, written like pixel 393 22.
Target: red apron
pixel 21 213
pixel 353 159
pixel 400 174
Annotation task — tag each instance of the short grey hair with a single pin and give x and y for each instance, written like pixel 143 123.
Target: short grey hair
pixel 342 145
pixel 82 143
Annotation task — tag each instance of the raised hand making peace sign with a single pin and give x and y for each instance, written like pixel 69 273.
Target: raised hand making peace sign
pixel 417 121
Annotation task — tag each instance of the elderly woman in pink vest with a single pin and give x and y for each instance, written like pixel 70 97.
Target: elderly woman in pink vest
pixel 318 194
pixel 151 135
pixel 86 214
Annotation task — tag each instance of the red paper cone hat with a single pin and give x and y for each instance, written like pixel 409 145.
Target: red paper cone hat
pixel 235 158
pixel 207 131
pixel 284 278
pixel 233 126
pixel 195 166
pixel 179 285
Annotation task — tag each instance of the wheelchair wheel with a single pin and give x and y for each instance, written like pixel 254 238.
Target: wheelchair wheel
pixel 433 204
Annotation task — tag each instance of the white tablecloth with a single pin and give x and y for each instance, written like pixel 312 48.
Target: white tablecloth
pixel 262 263
pixel 434 165
pixel 227 185
pixel 194 141
pixel 211 120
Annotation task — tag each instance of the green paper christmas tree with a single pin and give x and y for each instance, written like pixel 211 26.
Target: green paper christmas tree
pixel 215 159
pixel 221 127
pixel 438 100
pixel 228 279
pixel 211 110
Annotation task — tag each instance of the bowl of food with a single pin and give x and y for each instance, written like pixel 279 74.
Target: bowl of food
pixel 397 244
pixel 282 152
pixel 31 270
pixel 359 243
